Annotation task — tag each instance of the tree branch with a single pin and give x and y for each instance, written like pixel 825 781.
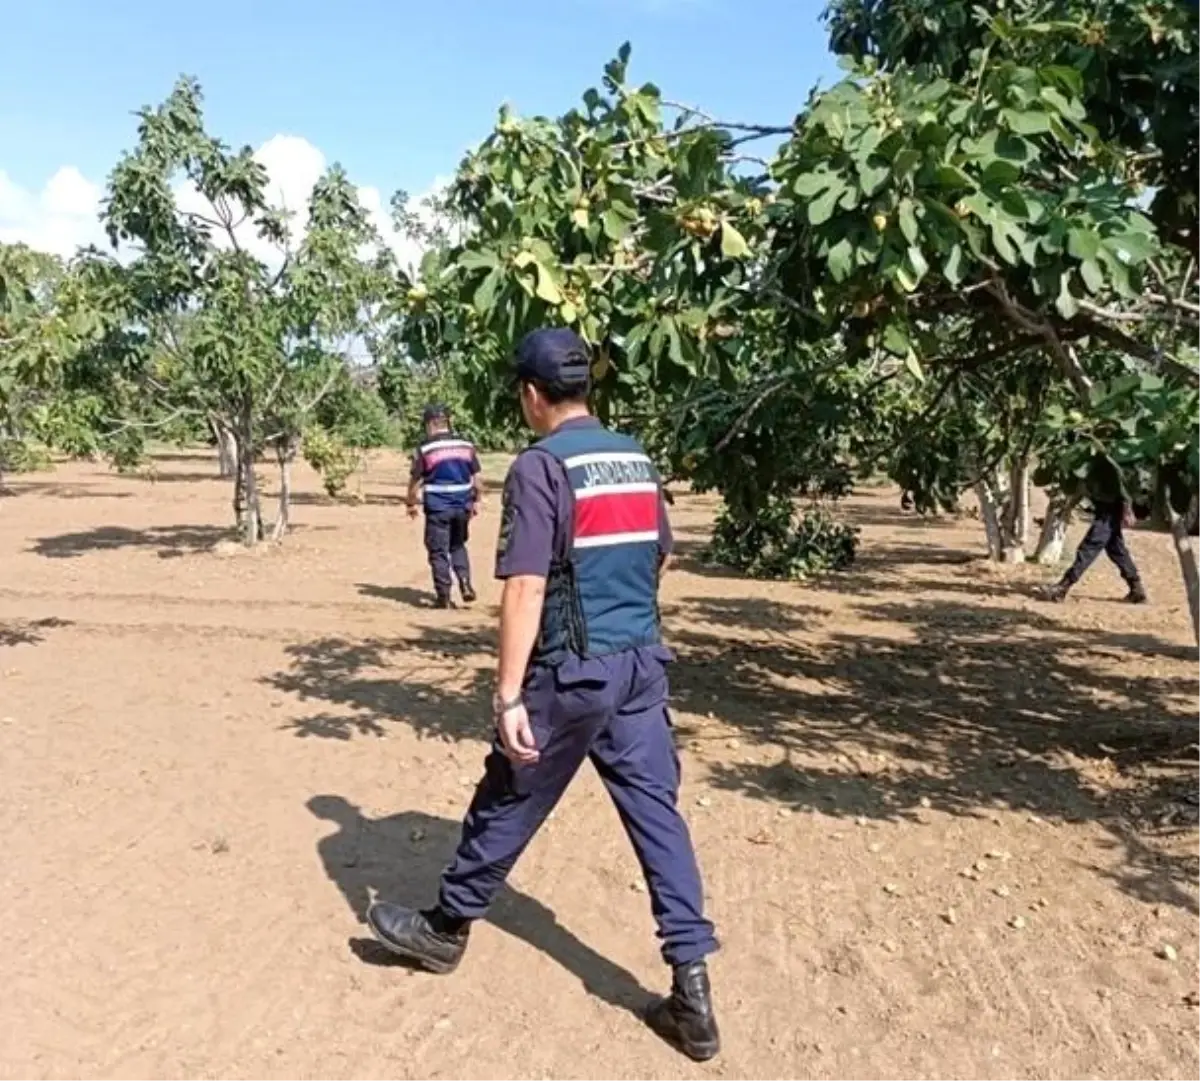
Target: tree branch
pixel 1156 358
pixel 1173 302
pixel 124 426
pixel 984 356
pixel 226 215
pixel 274 390
pixel 1029 322
pixel 710 121
pixel 328 386
pixel 748 412
pixel 1114 316
pixel 1187 277
pixel 746 159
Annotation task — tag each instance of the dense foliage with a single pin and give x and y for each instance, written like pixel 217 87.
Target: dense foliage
pixel 969 262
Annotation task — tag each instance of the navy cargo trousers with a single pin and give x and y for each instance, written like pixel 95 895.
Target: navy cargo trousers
pixel 1106 534
pixel 446 535
pixel 612 710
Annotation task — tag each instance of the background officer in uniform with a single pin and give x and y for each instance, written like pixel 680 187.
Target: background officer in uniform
pixel 582 675
pixel 1112 513
pixel 446 468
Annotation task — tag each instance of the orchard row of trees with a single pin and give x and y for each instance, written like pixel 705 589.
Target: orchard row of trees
pixel 215 315
pixel 970 264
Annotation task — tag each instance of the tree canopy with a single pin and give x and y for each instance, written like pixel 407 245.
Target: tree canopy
pixel 971 259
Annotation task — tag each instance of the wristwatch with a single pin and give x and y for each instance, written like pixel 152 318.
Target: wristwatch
pixel 501 707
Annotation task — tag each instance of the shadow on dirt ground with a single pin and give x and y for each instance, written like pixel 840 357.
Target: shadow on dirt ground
pixel 400 858
pixel 28 632
pixel 874 566
pixel 930 704
pixel 962 710
pixel 406 595
pixel 56 490
pixel 180 476
pixel 424 680
pixel 169 541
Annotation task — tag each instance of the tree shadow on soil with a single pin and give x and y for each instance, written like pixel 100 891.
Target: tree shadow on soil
pixel 170 541
pixel 406 595
pixel 966 708
pixel 400 857
pixel 745 613
pixel 888 515
pixel 60 490
pixel 322 499
pixel 960 708
pixel 877 568
pixel 438 681
pixel 181 476
pixel 28 632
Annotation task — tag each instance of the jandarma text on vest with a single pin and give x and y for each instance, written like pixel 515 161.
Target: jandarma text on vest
pixel 604 469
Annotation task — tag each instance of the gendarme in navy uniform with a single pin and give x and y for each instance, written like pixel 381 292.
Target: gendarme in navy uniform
pixel 446 469
pixel 582 675
pixel 1112 513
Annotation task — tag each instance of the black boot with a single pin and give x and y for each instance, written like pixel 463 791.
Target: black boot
pixel 431 939
pixel 685 1018
pixel 1056 593
pixel 1137 593
pixel 468 593
pixel 442 600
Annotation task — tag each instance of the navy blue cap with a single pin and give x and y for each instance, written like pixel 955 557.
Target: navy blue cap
pixel 434 411
pixel 554 355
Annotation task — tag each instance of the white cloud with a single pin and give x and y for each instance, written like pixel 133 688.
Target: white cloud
pixel 64 214
pixel 60 218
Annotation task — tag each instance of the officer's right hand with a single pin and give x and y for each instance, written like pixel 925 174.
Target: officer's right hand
pixel 516 736
pixel 412 511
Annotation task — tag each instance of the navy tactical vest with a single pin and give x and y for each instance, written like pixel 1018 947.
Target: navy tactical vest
pixel 602 590
pixel 446 476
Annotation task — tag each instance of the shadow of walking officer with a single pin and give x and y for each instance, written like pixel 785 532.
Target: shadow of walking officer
pixel 402 855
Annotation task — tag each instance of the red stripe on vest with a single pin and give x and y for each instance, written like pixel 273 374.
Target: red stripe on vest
pixel 621 512
pixel 448 454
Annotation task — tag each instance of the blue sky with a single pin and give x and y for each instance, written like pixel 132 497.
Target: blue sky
pixel 394 91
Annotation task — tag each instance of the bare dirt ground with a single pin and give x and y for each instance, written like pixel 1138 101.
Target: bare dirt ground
pixel 947 831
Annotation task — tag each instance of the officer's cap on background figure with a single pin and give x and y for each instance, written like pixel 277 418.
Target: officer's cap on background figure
pixel 555 357
pixel 434 411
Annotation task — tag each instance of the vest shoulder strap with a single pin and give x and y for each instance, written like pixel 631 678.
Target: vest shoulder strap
pixel 562 541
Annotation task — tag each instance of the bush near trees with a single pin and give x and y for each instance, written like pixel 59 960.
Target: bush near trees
pixel 970 263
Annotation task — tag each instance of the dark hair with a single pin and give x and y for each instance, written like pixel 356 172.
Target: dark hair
pixel 558 391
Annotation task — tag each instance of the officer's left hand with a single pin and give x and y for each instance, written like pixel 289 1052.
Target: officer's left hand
pixel 412 511
pixel 516 736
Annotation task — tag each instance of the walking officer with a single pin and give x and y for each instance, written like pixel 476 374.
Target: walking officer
pixel 1112 513
pixel 581 675
pixel 446 469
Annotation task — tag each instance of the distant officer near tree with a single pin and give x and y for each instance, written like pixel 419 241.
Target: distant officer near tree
pixel 582 674
pixel 1112 513
pixel 446 476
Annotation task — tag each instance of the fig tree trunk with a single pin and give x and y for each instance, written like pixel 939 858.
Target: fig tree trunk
pixel 1180 528
pixel 1016 513
pixel 250 519
pixel 227 449
pixel 989 511
pixel 285 451
pixel 1004 507
pixel 1053 538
